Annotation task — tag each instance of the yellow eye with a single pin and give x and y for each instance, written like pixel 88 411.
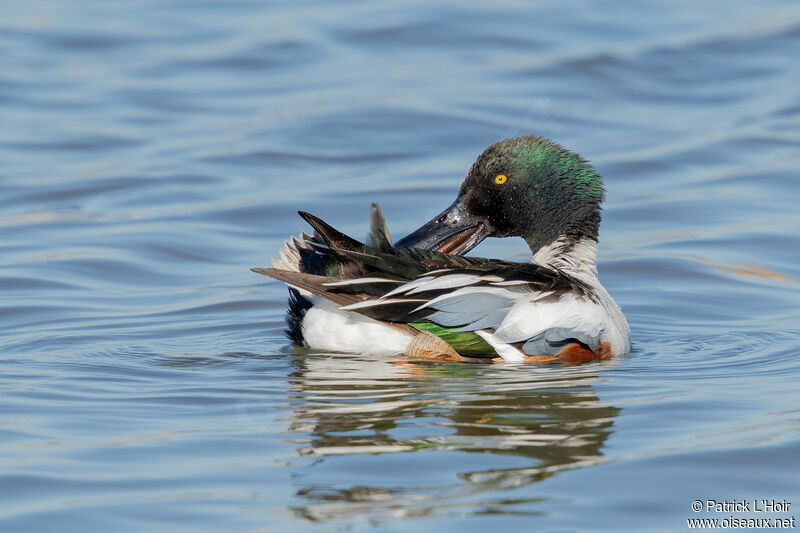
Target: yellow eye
pixel 500 179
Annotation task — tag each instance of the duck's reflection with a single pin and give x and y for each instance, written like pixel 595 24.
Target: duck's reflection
pixel 356 422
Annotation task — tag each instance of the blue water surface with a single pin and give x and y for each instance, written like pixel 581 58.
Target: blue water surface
pixel 152 152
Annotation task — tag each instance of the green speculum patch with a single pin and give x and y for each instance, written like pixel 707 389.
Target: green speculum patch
pixel 466 343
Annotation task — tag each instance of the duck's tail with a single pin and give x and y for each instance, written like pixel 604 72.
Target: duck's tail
pixel 298 306
pixel 326 252
pixel 292 252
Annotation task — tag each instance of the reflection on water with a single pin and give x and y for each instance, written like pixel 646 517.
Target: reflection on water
pixel 350 406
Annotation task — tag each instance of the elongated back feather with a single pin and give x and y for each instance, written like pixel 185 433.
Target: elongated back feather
pixel 378 240
pixel 330 235
pixel 317 285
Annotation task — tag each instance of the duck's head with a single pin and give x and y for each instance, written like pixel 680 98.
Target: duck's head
pixel 527 186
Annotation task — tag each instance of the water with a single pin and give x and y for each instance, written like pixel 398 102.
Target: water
pixel 152 152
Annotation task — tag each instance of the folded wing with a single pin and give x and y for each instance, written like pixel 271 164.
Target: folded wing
pixel 481 307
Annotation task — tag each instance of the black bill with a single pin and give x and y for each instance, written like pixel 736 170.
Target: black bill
pixel 453 231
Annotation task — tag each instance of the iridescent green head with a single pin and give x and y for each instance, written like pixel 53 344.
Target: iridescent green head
pixel 531 186
pixel 527 186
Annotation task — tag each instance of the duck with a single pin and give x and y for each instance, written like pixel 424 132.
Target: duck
pixel 423 298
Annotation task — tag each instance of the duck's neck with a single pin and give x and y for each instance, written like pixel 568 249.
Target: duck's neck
pixel 577 258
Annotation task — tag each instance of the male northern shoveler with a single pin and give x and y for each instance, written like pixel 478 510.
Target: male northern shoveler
pixel 421 298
